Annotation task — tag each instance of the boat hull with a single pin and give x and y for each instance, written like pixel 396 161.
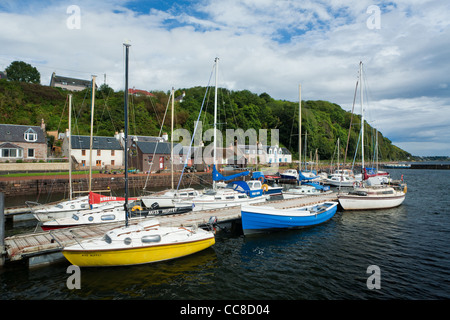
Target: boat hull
pixel 262 219
pixel 355 202
pixel 134 256
pixel 97 219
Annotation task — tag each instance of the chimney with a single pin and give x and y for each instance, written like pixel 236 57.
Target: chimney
pixel 43 125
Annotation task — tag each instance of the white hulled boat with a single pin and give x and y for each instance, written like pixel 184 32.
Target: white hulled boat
pixel 366 195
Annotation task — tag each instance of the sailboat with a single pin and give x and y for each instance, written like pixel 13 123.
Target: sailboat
pixel 235 195
pixel 67 208
pixel 167 198
pixel 307 181
pixel 366 195
pixel 145 242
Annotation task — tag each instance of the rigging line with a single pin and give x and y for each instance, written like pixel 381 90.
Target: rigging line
pixel 351 121
pixel 157 143
pixel 195 129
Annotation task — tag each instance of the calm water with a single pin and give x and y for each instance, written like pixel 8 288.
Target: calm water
pixel 410 245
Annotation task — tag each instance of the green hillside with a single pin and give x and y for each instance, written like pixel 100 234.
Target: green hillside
pixel 324 122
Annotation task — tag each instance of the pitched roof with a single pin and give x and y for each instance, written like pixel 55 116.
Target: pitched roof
pixel 98 143
pixel 69 81
pixel 15 133
pixel 149 147
pixel 8 145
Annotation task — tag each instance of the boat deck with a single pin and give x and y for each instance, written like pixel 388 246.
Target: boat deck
pixel 27 246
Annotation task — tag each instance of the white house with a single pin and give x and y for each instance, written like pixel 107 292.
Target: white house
pixel 276 154
pixel 106 151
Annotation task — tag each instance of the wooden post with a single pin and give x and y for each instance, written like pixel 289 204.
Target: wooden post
pixel 2 228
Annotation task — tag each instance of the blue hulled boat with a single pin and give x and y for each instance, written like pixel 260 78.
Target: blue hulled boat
pixel 256 219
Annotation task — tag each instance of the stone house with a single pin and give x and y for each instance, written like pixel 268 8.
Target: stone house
pixel 22 142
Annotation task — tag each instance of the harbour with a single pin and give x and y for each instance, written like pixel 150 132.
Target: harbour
pixel 41 248
pixel 326 262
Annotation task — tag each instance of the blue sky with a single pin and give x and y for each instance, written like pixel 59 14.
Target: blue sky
pixel 263 45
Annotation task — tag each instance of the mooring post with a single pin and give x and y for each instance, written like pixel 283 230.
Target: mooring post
pixel 2 229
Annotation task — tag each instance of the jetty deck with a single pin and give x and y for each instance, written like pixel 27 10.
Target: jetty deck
pixel 45 247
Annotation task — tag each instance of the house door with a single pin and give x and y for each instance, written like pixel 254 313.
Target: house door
pixel 161 163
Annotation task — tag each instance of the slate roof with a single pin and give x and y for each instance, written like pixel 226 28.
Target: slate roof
pixel 8 145
pixel 15 133
pixel 70 81
pixel 102 143
pixel 149 147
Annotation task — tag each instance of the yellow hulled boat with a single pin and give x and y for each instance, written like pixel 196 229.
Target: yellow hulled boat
pixel 145 242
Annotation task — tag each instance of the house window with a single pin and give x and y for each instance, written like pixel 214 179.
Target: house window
pixel 113 162
pixel 30 135
pixel 83 163
pixel 30 153
pixel 113 152
pixel 83 152
pixel 99 152
pixel 11 153
pixel 98 163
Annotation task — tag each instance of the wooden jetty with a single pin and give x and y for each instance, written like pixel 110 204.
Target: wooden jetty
pixel 42 248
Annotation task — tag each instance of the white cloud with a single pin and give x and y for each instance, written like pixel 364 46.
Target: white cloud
pixel 264 46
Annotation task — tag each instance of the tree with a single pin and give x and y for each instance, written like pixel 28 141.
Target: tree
pixel 21 71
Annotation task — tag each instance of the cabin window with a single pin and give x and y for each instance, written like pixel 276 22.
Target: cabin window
pixel 127 240
pixel 75 217
pixel 229 197
pixel 108 217
pixel 241 196
pixel 151 238
pixel 107 239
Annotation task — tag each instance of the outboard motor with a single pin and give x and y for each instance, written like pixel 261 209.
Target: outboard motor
pixel 212 223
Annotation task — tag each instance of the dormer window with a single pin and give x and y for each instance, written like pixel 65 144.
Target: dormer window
pixel 30 135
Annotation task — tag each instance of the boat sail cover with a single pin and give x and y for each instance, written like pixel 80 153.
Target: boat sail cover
pixel 217 176
pixel 303 177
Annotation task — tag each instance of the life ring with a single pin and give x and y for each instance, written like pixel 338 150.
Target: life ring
pixel 265 187
pixel 136 208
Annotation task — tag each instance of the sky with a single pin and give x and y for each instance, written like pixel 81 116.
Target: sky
pixel 268 46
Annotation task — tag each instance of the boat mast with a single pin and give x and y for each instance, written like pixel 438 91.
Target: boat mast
pixel 92 133
pixel 69 139
pixel 299 127
pixel 215 119
pixel 127 46
pixel 362 118
pixel 171 139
